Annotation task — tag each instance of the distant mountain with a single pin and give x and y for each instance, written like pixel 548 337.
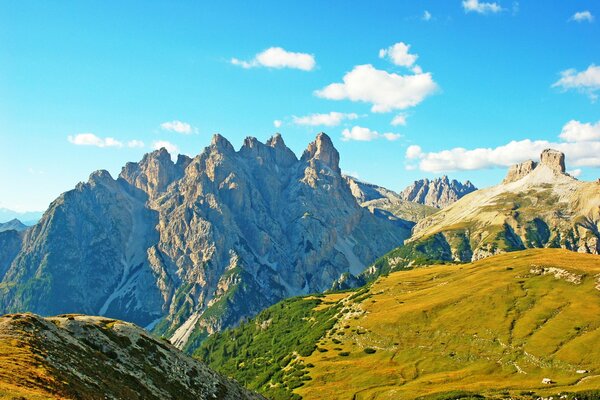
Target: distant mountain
pixel 439 192
pixel 382 201
pixel 13 224
pixel 27 217
pixel 82 357
pixel 537 205
pixel 491 329
pixel 191 247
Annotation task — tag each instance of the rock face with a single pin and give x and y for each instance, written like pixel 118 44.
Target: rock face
pixel 191 247
pixel 518 171
pixel 439 192
pixel 82 357
pixel 382 201
pixel 537 205
pixel 554 160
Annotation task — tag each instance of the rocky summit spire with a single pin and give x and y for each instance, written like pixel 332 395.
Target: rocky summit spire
pixel 221 144
pixel 322 149
pixel 517 171
pixel 553 159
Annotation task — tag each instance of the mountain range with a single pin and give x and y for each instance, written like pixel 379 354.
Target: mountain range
pixel 188 248
pixel 439 192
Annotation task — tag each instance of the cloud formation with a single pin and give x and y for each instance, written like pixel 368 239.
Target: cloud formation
pixel 575 131
pixel 89 139
pixel 276 57
pixel 277 123
pixel 179 127
pixel 385 91
pixel 170 147
pixel 362 134
pixel 481 7
pixel 399 54
pixel 426 16
pixel 330 119
pixel 582 16
pixel 580 149
pixel 399 119
pixel 587 81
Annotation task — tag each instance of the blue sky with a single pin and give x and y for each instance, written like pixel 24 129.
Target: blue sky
pixel 487 73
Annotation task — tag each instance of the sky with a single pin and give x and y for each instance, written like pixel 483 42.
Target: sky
pixel 405 89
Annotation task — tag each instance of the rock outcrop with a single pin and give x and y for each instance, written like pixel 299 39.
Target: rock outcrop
pixel 554 160
pixel 191 247
pixel 518 171
pixel 82 357
pixel 439 192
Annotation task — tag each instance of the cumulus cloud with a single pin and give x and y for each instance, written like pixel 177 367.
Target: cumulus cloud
pixel 587 81
pixel 170 147
pixel 277 123
pixel 178 127
pixel 426 16
pixel 385 91
pixel 575 131
pixel 359 133
pixel 89 139
pixel 582 16
pixel 399 119
pixel 580 149
pixel 575 173
pixel 481 7
pixel 399 54
pixel 276 57
pixel 330 119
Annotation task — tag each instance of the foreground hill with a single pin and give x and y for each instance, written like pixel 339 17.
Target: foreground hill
pixel 188 248
pixel 495 328
pixel 81 357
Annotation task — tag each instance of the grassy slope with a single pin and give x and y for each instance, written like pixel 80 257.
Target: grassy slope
pixel 486 327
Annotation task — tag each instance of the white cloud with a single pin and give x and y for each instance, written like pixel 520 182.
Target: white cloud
pixel 587 81
pixel 277 123
pixel 179 127
pixel 331 119
pixel 413 152
pixel 399 119
pixel 481 7
pixel 575 173
pixel 582 16
pixel 276 57
pixel 135 143
pixel 353 174
pixel 170 147
pixel 386 91
pixel 426 16
pixel 89 139
pixel 399 54
pixel 575 131
pixel 366 135
pixel 578 154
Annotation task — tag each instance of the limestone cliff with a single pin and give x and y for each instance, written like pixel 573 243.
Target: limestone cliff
pixel 439 192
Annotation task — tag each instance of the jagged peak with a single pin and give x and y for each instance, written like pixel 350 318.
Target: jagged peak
pixel 219 142
pixel 553 159
pixel 276 141
pixel 322 149
pixel 101 175
pixel 550 158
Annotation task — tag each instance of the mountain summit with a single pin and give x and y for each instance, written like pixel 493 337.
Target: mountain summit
pixel 439 192
pixel 188 248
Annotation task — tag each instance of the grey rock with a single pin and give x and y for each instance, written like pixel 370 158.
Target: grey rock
pixel 439 192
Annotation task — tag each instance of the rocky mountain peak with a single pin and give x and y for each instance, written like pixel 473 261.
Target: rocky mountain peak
pixel 276 141
pixel 322 149
pixel 439 192
pixel 100 176
pixel 221 144
pixel 553 159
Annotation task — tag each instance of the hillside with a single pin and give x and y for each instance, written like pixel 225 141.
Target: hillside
pixel 537 205
pixel 495 327
pixel 82 357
